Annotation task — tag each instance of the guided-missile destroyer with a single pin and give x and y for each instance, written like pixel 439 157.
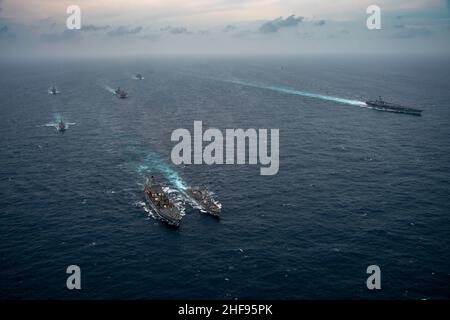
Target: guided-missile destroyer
pixel 61 127
pixel 122 94
pixel 204 199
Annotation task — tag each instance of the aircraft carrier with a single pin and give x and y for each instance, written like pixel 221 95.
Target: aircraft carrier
pixel 382 105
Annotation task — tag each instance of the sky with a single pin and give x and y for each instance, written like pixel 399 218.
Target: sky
pixel 221 27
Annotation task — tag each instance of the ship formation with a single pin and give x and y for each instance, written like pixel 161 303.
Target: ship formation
pixel 158 199
pixel 157 196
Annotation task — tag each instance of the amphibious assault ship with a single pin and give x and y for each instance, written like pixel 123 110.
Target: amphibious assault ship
pixel 382 105
pixel 204 199
pixel 158 200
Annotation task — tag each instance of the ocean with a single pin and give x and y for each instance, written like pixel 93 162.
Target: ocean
pixel 356 187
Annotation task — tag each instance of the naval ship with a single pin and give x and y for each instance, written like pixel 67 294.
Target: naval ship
pixel 139 77
pixel 204 199
pixel 61 126
pixel 53 90
pixel 121 93
pixel 382 105
pixel 158 200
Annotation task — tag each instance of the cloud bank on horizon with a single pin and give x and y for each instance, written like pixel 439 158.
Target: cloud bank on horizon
pixel 118 27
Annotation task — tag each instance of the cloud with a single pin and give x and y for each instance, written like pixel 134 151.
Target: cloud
pixel 61 36
pixel 242 34
pixel 409 33
pixel 229 28
pixel 175 30
pixel 279 23
pixel 306 35
pixel 91 27
pixel 178 30
pixel 124 31
pixel 320 23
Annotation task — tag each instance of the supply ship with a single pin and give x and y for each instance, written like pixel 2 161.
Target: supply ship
pixel 157 199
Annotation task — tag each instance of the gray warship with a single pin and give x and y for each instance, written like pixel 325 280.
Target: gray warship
pixel 61 126
pixel 122 94
pixel 158 200
pixel 382 105
pixel 204 199
pixel 53 90
pixel 139 77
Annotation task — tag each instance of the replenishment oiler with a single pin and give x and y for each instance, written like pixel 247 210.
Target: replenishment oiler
pixel 382 105
pixel 160 203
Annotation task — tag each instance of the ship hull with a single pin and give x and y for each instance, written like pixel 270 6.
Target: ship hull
pixel 208 212
pixel 394 109
pixel 203 209
pixel 161 215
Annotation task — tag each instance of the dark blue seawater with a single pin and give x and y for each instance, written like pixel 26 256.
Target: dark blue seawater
pixel 356 187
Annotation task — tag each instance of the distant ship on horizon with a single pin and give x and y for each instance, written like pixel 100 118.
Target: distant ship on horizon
pixel 382 105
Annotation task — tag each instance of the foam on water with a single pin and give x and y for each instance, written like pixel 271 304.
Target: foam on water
pixel 154 164
pixel 57 118
pixel 52 93
pixel 147 209
pixel 301 93
pixel 109 89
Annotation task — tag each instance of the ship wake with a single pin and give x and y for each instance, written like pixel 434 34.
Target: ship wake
pixel 109 89
pixel 351 102
pixel 154 164
pixel 56 121
pixel 175 189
